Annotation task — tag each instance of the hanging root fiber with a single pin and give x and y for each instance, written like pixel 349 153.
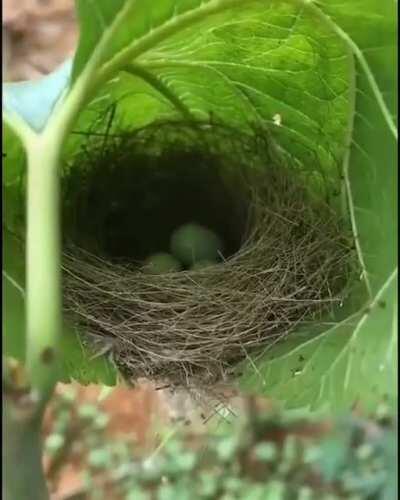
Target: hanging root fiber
pixel 285 260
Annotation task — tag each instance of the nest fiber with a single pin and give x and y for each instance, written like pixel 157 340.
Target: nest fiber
pixel 287 261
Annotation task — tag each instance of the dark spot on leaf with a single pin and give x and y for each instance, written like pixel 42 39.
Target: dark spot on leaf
pixel 296 371
pixel 301 358
pixel 382 304
pixel 47 355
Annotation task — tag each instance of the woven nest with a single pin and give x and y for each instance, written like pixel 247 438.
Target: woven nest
pixel 286 264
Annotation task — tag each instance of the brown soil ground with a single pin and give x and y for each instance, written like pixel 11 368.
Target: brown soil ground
pixel 133 415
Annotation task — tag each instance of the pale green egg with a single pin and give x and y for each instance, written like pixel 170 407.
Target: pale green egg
pixel 191 243
pixel 161 263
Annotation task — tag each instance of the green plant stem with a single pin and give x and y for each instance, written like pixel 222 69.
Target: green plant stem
pixel 43 261
pixel 23 476
pixel 22 416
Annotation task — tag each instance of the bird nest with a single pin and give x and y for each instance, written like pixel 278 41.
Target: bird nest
pixel 287 259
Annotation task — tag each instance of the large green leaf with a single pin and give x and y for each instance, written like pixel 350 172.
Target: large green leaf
pixel 327 70
pixel 356 360
pixel 240 61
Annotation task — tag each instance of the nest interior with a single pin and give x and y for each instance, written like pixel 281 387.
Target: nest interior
pixel 286 263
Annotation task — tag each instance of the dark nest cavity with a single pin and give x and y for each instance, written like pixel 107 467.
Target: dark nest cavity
pixel 287 258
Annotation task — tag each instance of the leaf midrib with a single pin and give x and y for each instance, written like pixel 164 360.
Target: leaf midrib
pixel 167 29
pixel 177 23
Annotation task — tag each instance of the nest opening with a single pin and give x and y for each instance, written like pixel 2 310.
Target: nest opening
pixel 132 213
pixel 287 258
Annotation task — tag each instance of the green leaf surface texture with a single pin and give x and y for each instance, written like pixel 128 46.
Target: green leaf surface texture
pixel 322 77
